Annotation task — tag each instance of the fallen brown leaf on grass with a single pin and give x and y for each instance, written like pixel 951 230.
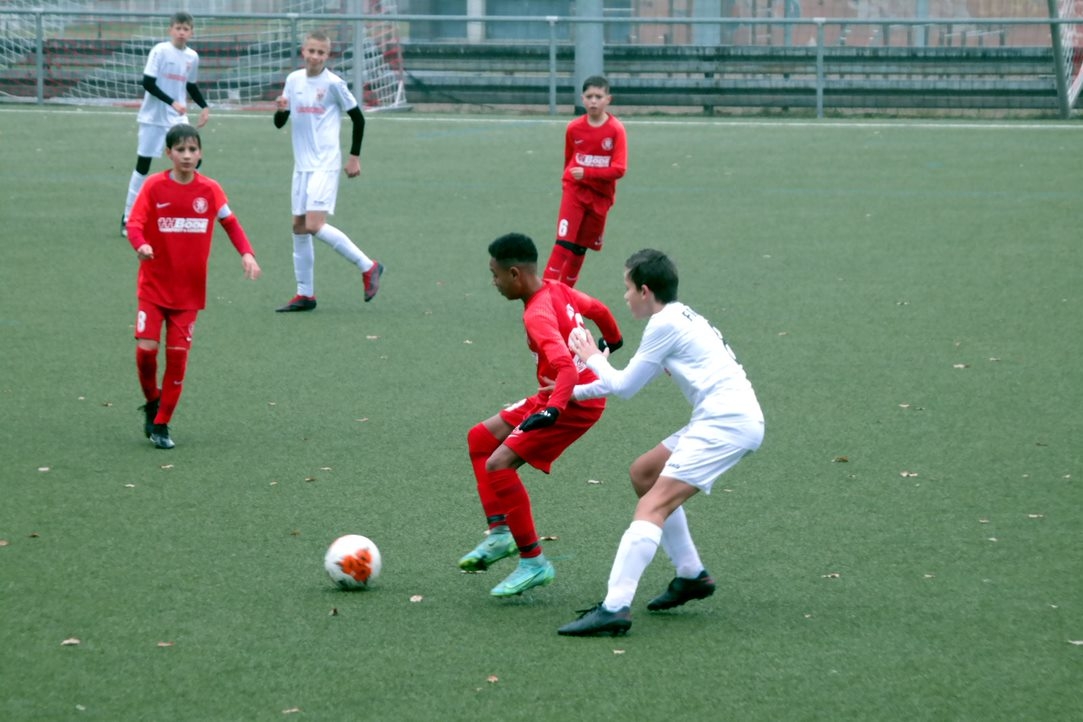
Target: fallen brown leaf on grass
pixel 165 644
pixel 841 459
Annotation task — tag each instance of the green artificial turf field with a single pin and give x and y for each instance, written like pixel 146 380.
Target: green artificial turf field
pixel 905 297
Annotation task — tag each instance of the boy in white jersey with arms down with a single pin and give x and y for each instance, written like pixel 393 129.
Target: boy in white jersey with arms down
pixel 168 79
pixel 726 424
pixel 317 99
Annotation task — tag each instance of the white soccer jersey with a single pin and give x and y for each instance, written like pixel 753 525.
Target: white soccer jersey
pixel 316 108
pixel 172 69
pixel 679 341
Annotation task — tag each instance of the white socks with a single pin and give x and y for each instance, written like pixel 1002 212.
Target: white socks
pixel 677 541
pixel 304 262
pixel 344 246
pixel 636 550
pixel 134 185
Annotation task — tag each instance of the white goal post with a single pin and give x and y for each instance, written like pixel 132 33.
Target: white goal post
pixel 243 60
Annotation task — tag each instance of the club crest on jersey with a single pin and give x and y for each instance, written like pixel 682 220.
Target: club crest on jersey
pixel 607 144
pixel 199 205
pixel 320 92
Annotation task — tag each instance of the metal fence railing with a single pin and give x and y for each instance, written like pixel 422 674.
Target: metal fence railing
pixel 96 57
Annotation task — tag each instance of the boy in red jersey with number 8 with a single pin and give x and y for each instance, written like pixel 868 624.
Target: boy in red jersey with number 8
pixel 170 228
pixel 595 158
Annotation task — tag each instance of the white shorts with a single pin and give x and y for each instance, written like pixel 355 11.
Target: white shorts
pixel 152 138
pixel 704 450
pixel 314 191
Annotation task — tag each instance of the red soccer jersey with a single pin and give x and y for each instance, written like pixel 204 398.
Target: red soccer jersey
pixel 177 220
pixel 549 317
pixel 602 152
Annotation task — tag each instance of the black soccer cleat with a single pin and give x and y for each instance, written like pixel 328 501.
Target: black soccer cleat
pixel 150 410
pixel 298 303
pixel 597 621
pixel 682 590
pixel 159 436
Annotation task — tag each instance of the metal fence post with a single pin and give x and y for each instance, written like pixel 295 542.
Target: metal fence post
pixel 40 53
pixel 819 67
pixel 552 19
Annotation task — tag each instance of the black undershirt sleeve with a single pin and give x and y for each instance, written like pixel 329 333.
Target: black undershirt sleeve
pixel 358 119
pixel 193 91
pixel 150 84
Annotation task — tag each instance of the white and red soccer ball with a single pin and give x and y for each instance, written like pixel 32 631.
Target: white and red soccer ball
pixel 352 561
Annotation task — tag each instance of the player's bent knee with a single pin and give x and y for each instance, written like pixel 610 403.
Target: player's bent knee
pixel 479 440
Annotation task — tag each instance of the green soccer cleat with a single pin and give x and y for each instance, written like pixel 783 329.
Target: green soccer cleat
pixel 598 620
pixel 159 436
pixel 529 574
pixel 492 549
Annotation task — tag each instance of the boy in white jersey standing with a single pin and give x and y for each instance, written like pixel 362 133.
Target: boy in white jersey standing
pixel 726 424
pixel 317 98
pixel 168 79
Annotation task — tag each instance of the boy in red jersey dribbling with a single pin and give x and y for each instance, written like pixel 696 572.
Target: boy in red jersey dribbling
pixel 170 228
pixel 537 429
pixel 595 158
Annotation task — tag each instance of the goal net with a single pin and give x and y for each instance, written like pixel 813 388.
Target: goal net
pixel 243 61
pixel 1071 38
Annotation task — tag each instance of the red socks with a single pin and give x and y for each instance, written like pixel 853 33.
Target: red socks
pixel 563 265
pixel 512 494
pixel 176 363
pixel 481 444
pixel 146 364
pixel 558 259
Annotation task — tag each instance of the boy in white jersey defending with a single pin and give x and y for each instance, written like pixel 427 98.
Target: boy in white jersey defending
pixel 168 79
pixel 317 98
pixel 726 424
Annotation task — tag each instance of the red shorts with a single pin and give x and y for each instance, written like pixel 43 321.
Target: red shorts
pixel 541 447
pixel 179 325
pixel 581 219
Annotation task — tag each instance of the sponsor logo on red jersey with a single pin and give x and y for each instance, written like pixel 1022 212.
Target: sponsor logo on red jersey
pixel 593 161
pixel 182 225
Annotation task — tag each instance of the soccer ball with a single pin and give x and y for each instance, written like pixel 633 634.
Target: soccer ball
pixel 352 561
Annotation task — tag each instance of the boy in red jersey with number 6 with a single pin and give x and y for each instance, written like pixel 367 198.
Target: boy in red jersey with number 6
pixel 595 158
pixel 170 228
